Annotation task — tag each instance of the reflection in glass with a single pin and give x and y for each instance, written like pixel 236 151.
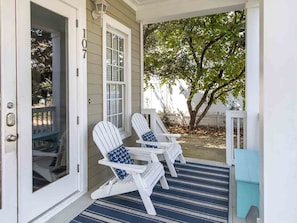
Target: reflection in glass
pixel 49 96
pixel 108 40
pixel 108 56
pixel 121 45
pixel 115 41
pixel 108 72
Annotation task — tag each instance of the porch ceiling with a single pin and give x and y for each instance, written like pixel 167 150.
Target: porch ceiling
pixel 152 11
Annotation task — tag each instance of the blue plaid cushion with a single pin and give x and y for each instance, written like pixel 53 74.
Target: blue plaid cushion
pixel 149 137
pixel 120 155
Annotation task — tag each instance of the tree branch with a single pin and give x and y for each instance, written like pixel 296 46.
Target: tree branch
pixel 207 47
pixel 190 42
pixel 212 97
pixel 148 30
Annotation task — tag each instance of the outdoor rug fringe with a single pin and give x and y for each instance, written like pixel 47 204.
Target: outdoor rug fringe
pixel 200 193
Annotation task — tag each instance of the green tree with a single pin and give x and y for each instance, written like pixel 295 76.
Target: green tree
pixel 207 52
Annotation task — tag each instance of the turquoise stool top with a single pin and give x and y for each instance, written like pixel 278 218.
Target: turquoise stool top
pixel 247 165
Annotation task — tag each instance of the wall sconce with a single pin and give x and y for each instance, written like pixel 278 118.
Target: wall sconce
pixel 101 8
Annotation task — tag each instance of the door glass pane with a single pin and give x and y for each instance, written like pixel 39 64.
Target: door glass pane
pixel 49 96
pixel 115 58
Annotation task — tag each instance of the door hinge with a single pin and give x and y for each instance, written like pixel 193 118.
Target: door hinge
pixel 77 72
pixel 77 23
pixel 77 120
pixel 77 167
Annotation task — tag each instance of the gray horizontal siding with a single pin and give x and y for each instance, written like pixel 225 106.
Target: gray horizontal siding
pixel 118 10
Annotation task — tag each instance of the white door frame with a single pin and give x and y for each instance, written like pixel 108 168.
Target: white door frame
pixel 8 210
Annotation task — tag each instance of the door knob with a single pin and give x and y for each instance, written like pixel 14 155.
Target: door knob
pixel 11 138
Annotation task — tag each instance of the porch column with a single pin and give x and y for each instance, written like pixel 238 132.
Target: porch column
pixel 278 109
pixel 141 67
pixel 252 74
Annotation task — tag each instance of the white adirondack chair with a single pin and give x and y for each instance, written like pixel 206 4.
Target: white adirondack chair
pixel 140 177
pixel 171 149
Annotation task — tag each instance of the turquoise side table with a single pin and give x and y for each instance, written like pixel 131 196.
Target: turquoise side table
pixel 247 180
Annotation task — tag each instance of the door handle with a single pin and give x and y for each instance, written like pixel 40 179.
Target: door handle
pixel 11 138
pixel 10 119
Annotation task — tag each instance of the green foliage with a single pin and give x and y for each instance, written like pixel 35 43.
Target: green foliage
pixel 41 64
pixel 207 52
pixel 41 52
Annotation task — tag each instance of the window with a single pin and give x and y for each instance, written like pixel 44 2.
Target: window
pixel 117 74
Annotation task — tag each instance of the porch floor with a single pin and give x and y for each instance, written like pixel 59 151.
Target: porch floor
pixel 81 204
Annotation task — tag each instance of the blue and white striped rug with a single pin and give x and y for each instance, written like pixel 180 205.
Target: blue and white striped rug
pixel 200 193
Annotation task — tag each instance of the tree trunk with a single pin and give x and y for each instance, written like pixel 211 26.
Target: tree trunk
pixel 193 113
pixel 192 120
pixel 204 112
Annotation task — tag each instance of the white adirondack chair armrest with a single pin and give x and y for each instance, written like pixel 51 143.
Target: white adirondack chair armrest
pixel 44 154
pixel 141 150
pixel 130 168
pixel 140 153
pixel 158 144
pixel 170 135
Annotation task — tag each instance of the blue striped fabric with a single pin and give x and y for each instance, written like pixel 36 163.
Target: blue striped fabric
pixel 200 193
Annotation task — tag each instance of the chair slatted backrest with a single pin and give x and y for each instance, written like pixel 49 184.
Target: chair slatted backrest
pixel 140 124
pixel 61 152
pixel 107 137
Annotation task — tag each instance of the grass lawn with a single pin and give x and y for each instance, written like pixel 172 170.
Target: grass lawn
pixel 207 143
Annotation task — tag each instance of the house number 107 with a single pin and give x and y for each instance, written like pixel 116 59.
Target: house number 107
pixel 84 44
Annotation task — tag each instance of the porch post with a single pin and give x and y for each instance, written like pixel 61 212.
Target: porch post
pixel 141 67
pixel 278 109
pixel 252 74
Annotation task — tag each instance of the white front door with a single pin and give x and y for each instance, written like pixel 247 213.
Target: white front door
pixel 8 133
pixel 46 105
pixel 40 93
